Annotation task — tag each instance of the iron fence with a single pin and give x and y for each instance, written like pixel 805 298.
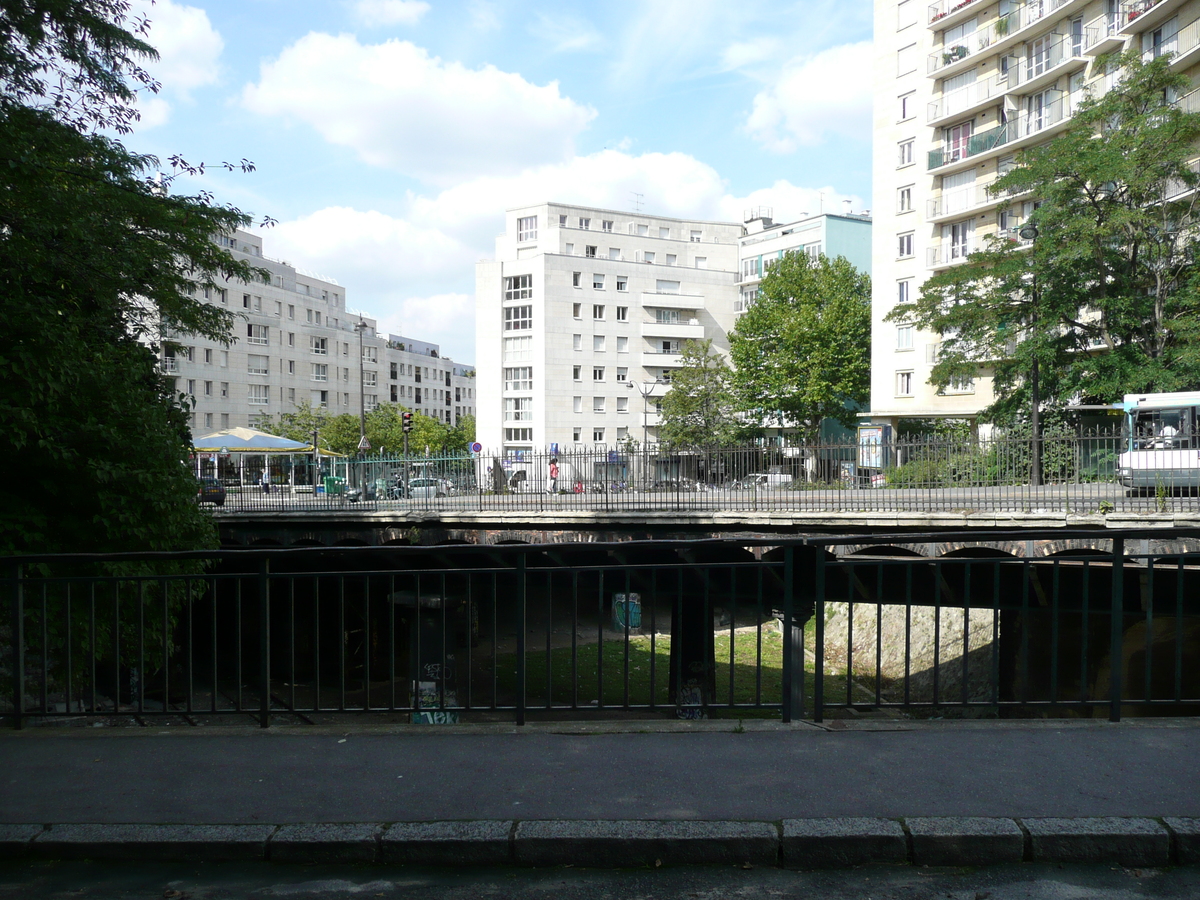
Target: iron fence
pixel 1077 473
pixel 721 628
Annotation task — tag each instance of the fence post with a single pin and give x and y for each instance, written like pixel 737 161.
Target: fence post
pixel 819 639
pixel 1116 631
pixel 18 639
pixel 264 640
pixel 520 702
pixel 789 609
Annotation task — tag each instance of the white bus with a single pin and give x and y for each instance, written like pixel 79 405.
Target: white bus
pixel 1162 450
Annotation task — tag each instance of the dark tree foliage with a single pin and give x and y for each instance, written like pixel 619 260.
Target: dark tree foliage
pixel 1105 299
pixel 698 410
pixel 97 262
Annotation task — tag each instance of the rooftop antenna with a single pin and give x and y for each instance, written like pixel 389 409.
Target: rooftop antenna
pixel 822 196
pixel 637 201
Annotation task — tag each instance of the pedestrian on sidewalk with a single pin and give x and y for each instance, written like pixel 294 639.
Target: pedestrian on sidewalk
pixel 553 475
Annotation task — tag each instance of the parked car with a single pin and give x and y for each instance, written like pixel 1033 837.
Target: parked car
pixel 763 481
pixel 424 488
pixel 209 490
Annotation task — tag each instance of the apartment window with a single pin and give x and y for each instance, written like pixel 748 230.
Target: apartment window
pixel 576 434
pixel 614 252
pixel 955 141
pixel 622 404
pixel 672 259
pixel 750 267
pixel 191 386
pixel 291 367
pixel 622 313
pixel 279 309
pixel 208 388
pixel 393 373
pixel 906 14
pixel 208 355
pixel 622 373
pixel 320 372
pixel 597 373
pixel 959 384
pixel 663 231
pixel 622 284
pixel 257 365
pixel 622 433
pixel 906 59
pixel 905 153
pixel 598 404
pixel 648 256
pixel 370 354
pixel 585 224
pixel 518 409
pixel 904 337
pixel 517 349
pixel 371 379
pixel 224 359
pixel 291 311
pixel 905 245
pixel 598 312
pixel 701 262
pixel 577 310
pixel 598 435
pixel 745 300
pixel 570 249
pixel 518 435
pixel 589 251
pixel 518 318
pixel 694 237
pixel 606 225
pixel 518 287
pixel 519 378
pixel 394 393
pixel 598 282
pixel 577 342
pixel 666 287
pixel 208 420
pixel 577 404
pixel 903 291
pixel 320 398
pixel 908 105
pixel 291 339
pixel 527 228
pixel 260 394
pixel 562 221
pixel 904 384
pixel 667 316
pixel 224 420
pixel 318 345
pixel 224 388
pixel 576 373
pixel 576 277
pixel 598 342
pixel 622 344
pixel 904 199
pixel 245 301
pixel 641 229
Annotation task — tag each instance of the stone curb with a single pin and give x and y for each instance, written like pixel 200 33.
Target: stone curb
pixel 793 843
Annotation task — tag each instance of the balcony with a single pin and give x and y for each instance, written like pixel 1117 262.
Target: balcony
pixel 1139 15
pixel 1002 32
pixel 948 12
pixel 1039 70
pixel 962 101
pixel 684 331
pixel 170 365
pixel 656 359
pixel 657 300
pixel 950 253
pixel 941 62
pixel 1183 44
pixel 972 146
pixel 1102 35
pixel 963 200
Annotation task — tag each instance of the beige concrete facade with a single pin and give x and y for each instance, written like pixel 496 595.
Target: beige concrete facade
pixel 960 87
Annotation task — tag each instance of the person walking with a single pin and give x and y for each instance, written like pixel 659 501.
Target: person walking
pixel 266 480
pixel 553 475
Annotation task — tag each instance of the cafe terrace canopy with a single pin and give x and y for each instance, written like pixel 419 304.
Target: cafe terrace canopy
pixel 248 440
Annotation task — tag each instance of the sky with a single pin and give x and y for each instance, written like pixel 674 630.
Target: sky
pixel 389 136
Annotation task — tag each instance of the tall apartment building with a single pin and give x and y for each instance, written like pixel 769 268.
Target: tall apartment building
pixel 765 240
pixel 584 310
pixel 961 86
pixel 294 343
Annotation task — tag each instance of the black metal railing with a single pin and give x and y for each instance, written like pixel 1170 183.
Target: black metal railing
pixel 898 624
pixel 1075 473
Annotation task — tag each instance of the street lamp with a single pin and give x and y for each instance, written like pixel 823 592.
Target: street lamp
pixel 645 388
pixel 361 327
pixel 1029 232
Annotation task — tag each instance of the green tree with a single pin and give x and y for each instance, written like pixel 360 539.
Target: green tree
pixel 699 409
pixel 98 264
pixel 1104 300
pixel 802 352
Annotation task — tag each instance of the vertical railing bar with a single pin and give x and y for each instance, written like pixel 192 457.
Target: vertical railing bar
pixel 70 654
pixel 212 588
pixel 1026 574
pixel 141 700
pixel 292 644
pixel 1179 631
pixel 1085 601
pixel 264 627
pixel 732 630
pixel 391 642
pixel 879 635
pixel 1116 629
pixel 653 637
pixel 188 584
pixel 316 581
pixel 46 651
pixel 966 639
pixel 521 599
pixel 1055 631
pixel 574 639
pixel 995 673
pixel 470 704
pixel 600 640
pixel 414 664
pixel 788 613
pixel 758 634
pixel 938 579
pixel 549 638
pixel 908 592
pixel 366 645
pixel 341 581
pixel 819 638
pixel 1148 602
pixel 238 642
pixel 495 640
pixel 91 646
pixel 628 606
pixel 852 580
pixel 18 636
pixel 677 645
pixel 116 638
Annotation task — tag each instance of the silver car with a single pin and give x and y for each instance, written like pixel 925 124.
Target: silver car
pixel 426 488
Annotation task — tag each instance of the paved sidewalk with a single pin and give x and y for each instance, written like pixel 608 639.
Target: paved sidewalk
pixel 768 774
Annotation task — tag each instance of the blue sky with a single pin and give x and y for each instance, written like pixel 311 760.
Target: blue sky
pixel 390 135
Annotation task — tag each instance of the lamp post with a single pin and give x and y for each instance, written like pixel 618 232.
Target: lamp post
pixel 645 388
pixel 1029 232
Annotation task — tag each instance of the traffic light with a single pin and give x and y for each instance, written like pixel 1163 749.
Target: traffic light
pixel 407 419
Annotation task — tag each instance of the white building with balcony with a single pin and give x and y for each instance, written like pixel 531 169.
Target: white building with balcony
pixel 960 86
pixel 295 343
pixel 583 311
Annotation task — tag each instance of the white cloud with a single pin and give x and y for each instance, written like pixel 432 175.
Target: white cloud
pixel 414 271
pixel 799 108
pixel 189 50
pixel 400 108
pixel 390 12
pixel 745 53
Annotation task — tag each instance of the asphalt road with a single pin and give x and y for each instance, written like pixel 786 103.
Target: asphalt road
pixel 232 775
pixel 122 881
